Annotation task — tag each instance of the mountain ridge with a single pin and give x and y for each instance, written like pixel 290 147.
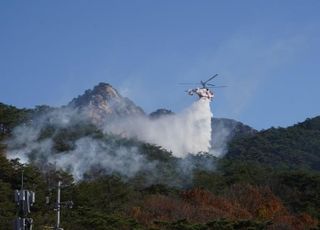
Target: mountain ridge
pixel 297 146
pixel 266 179
pixel 104 102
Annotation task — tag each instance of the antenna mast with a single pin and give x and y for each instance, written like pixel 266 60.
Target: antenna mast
pixel 24 199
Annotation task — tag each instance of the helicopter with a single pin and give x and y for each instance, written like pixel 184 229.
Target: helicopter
pixel 204 91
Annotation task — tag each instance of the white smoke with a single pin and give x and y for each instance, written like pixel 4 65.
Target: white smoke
pixel 90 153
pixel 187 132
pixel 221 135
pixel 184 133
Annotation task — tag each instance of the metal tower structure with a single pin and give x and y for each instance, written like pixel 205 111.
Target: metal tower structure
pixel 24 199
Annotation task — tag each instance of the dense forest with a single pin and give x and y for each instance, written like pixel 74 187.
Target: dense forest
pixel 268 180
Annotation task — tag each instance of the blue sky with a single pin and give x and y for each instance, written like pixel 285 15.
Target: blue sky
pixel 267 52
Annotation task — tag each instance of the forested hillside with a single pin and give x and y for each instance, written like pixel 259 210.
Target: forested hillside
pixel 268 180
pixel 294 147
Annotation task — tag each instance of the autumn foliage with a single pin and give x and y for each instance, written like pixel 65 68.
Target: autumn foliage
pixel 241 201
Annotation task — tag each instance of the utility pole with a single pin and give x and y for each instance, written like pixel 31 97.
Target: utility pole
pixel 58 207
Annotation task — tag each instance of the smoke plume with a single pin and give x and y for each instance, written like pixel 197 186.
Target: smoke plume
pixel 184 133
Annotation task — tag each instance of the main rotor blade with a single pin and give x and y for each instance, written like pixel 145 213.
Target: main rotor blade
pixel 218 86
pixel 211 78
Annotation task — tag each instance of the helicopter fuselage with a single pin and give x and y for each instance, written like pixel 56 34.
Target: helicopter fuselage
pixel 202 93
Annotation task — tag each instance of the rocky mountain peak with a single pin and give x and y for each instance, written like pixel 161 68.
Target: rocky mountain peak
pixel 106 90
pixel 105 102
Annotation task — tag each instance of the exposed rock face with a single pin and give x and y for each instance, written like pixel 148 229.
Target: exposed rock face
pixel 160 112
pixel 105 103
